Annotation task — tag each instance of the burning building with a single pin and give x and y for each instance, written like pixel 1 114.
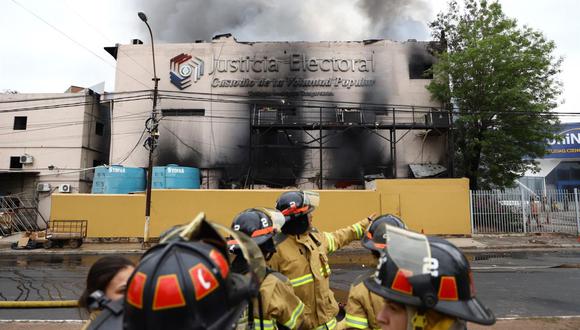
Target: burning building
pixel 278 114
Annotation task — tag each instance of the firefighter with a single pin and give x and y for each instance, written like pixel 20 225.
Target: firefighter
pixel 183 283
pixel 279 306
pixel 363 306
pixel 427 285
pixel 302 256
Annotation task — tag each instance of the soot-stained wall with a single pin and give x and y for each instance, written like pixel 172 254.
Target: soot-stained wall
pixel 209 91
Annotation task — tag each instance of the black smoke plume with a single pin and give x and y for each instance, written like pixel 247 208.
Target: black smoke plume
pixel 286 20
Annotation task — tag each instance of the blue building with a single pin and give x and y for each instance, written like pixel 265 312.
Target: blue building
pixel 560 168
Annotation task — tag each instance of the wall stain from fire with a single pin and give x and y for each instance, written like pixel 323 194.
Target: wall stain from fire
pixel 283 157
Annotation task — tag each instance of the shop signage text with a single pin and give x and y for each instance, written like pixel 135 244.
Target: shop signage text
pixel 569 144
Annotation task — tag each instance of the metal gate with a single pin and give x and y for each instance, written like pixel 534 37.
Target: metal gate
pixel 524 211
pixel 19 212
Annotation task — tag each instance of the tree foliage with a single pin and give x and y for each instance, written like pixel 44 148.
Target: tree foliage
pixel 501 80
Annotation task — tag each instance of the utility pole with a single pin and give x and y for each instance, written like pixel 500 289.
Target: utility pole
pixel 151 143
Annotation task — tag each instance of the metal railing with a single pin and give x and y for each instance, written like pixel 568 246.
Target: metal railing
pixel 19 212
pixel 333 115
pixel 524 211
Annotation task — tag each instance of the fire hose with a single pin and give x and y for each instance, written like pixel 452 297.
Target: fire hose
pixel 39 304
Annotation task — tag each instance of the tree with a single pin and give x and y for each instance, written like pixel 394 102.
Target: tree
pixel 501 82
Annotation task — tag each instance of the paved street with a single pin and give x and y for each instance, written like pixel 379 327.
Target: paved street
pixel 522 284
pixel 44 277
pixel 512 284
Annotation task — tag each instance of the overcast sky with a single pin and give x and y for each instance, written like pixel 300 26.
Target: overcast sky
pixel 36 57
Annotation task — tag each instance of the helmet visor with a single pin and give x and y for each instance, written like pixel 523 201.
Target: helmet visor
pixel 409 251
pixel 470 310
pixel 250 250
pixel 311 198
pixel 277 217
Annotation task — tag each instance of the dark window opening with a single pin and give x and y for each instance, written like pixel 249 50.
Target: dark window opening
pixel 99 129
pixel 420 66
pixel 288 111
pixel 275 115
pixel 15 162
pixel 349 116
pixel 20 122
pixel 97 162
pixel 563 174
pixel 182 112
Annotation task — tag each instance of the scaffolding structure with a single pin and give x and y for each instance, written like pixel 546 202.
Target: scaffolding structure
pixel 328 121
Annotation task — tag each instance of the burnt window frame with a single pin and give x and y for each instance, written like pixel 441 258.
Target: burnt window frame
pixel 419 68
pixel 99 129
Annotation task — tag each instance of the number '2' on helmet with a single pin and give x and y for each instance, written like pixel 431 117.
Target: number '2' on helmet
pixel 449 286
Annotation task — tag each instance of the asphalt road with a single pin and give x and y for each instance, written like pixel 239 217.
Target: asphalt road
pixel 512 284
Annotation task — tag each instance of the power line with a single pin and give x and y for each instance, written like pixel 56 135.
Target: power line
pixel 375 111
pixel 106 37
pixel 76 42
pixel 246 100
pixel 76 122
pixel 333 103
pixel 293 101
pixel 79 95
pixel 42 99
pixel 183 142
pixel 69 105
pixel 57 125
pixel 134 147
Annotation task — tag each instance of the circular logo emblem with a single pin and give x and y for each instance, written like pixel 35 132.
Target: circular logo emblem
pixel 185 70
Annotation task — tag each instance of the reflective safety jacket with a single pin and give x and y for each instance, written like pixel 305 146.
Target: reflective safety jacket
pixel 92 316
pixel 304 260
pixel 362 307
pixel 279 303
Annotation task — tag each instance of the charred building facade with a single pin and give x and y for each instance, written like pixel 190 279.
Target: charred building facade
pixel 278 114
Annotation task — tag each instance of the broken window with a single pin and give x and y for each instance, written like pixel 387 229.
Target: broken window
pixel 420 65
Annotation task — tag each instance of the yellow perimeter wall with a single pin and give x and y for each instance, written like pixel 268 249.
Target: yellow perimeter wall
pixel 438 206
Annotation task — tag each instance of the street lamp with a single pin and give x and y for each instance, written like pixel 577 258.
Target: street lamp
pixel 151 142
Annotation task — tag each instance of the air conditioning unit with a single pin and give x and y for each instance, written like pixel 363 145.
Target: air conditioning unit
pixel 348 116
pixel 26 159
pixel 43 187
pixel 64 188
pixel 437 118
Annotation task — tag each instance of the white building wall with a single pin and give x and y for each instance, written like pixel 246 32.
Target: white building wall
pixel 59 135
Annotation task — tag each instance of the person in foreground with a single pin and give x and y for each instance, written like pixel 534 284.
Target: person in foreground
pixel 302 256
pixel 108 277
pixel 363 306
pixel 280 307
pixel 185 282
pixel 427 285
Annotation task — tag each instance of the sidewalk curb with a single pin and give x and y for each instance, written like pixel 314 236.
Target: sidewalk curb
pixel 470 250
pixel 11 252
pixel 520 248
pixel 349 250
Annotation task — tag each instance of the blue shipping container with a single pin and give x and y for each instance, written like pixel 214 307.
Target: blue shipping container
pixel 118 179
pixel 175 177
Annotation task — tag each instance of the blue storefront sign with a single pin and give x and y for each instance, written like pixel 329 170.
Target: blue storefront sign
pixel 568 146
